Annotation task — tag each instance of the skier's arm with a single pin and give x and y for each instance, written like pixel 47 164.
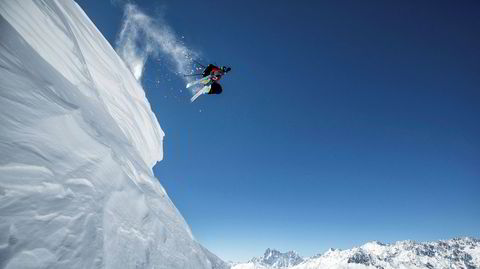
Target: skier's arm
pixel 207 70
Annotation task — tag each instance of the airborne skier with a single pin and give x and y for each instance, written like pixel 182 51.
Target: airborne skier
pixel 211 75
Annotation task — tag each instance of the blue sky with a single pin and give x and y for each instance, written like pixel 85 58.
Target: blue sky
pixel 342 122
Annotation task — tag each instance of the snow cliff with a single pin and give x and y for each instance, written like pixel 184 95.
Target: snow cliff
pixel 78 141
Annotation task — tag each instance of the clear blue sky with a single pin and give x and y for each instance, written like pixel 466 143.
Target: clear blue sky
pixel 342 122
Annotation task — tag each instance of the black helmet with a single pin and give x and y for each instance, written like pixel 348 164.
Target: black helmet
pixel 226 69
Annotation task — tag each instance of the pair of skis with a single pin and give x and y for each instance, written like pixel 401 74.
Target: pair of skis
pixel 207 81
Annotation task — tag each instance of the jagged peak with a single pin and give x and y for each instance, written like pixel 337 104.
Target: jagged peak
pixel 462 252
pixel 277 259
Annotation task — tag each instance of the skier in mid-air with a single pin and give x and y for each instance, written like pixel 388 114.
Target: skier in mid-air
pixel 211 75
pixel 215 71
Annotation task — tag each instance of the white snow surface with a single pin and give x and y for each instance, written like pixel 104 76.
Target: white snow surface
pixel 78 141
pixel 459 253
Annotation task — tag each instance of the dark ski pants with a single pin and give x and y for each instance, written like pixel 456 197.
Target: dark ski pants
pixel 216 88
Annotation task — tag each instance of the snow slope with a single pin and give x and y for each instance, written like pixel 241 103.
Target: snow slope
pixel 457 253
pixel 77 144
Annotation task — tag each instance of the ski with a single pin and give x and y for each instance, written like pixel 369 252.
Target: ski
pixel 204 90
pixel 204 80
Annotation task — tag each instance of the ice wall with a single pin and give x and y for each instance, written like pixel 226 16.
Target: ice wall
pixel 78 141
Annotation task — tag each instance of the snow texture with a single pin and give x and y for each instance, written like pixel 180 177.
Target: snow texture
pixel 78 141
pixel 457 253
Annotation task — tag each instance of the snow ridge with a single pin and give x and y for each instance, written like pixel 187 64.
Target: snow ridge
pixel 460 253
pixel 78 141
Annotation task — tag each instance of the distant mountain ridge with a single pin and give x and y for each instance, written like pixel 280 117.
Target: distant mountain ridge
pixel 458 253
pixel 276 259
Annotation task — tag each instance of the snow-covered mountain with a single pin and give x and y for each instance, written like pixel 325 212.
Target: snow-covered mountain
pixel 460 253
pixel 78 141
pixel 275 259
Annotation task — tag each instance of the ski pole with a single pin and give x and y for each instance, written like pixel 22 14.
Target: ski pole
pixel 191 75
pixel 198 63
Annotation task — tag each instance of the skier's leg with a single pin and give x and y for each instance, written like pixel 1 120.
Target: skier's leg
pixel 216 88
